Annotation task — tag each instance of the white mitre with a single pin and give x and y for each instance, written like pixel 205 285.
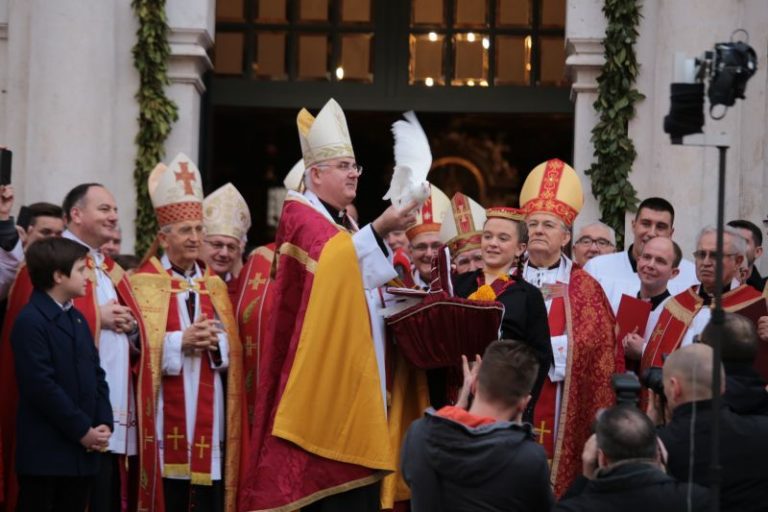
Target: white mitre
pixel 325 136
pixel 226 213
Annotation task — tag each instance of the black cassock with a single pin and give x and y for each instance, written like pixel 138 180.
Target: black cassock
pixel 525 319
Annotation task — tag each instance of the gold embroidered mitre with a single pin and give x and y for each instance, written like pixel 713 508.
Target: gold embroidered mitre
pixel 226 213
pixel 553 187
pixel 325 136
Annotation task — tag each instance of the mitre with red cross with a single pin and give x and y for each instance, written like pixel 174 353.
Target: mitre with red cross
pixel 431 214
pixel 553 187
pixel 176 191
pixel 226 213
pixel 462 226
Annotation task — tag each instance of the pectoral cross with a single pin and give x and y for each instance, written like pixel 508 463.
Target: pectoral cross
pixel 257 281
pixel 249 345
pixel 175 437
pixel 202 446
pixel 542 430
pixel 187 176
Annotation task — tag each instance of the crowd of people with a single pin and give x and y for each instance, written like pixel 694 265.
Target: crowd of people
pixel 348 366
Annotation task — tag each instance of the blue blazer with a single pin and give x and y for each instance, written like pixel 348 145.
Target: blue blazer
pixel 62 391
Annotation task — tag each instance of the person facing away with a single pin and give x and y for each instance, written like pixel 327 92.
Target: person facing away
pixel 64 417
pixel 687 376
pixel 482 458
pixel 623 469
pixel 745 389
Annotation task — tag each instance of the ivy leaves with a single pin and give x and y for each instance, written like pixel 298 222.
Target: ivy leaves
pixel 157 112
pixel 616 99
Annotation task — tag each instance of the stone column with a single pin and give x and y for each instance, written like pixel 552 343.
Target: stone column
pixel 584 32
pixel 192 27
pixel 69 113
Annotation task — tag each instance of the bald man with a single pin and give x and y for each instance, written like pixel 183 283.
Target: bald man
pixel 687 377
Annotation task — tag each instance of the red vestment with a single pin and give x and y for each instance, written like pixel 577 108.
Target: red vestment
pixel 145 487
pixel 319 420
pixel 679 312
pixel 580 310
pixel 253 307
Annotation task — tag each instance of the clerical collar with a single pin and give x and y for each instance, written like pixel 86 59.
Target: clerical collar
pixel 187 274
pixel 656 299
pixel 708 299
pixel 632 260
pixel 551 267
pixel 336 214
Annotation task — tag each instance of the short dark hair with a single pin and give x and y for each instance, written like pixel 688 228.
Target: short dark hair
pixel 127 261
pixel 739 343
pixel 678 254
pixel 76 195
pixel 508 371
pixel 625 432
pixel 757 235
pixel 46 256
pixel 657 204
pixel 44 210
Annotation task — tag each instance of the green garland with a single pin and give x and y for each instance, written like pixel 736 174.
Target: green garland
pixel 157 112
pixel 616 98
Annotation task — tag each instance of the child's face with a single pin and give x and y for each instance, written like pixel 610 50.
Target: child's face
pixel 75 284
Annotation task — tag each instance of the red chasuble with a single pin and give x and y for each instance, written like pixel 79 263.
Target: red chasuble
pixel 253 307
pixel 580 310
pixel 319 422
pixel 154 289
pixel 144 491
pixel 679 312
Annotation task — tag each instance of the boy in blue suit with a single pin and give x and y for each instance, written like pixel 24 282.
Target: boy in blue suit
pixel 64 414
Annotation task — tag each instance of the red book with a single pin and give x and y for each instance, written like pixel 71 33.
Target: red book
pixel 632 316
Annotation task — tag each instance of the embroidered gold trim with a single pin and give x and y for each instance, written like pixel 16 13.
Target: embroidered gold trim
pixel 299 254
pixel 307 500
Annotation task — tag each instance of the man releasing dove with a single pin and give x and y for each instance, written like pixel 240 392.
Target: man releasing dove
pixel 413 160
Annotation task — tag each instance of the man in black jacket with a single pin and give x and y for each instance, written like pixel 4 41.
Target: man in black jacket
pixel 745 391
pixel 482 458
pixel 743 448
pixel 623 463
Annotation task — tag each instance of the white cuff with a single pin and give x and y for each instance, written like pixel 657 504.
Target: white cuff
pixel 560 351
pixel 172 357
pixel 224 351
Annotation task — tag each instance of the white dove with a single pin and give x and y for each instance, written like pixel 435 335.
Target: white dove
pixel 413 159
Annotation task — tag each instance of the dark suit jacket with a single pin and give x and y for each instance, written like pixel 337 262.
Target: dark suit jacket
pixel 743 453
pixel 62 391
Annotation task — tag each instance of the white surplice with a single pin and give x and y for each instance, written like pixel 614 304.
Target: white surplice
pixel 114 355
pixel 175 362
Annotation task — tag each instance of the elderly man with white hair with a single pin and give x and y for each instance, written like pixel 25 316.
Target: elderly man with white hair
pixel 594 239
pixel 686 314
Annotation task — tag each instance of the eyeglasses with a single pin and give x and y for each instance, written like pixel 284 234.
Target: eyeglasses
pixel 344 167
pixel 702 255
pixel 424 247
pixel 218 246
pixel 587 242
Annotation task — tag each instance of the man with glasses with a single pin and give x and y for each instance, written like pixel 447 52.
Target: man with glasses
pixel 193 342
pixel 321 369
pixel 580 322
pixel 593 240
pixel 617 272
pixel 424 235
pixel 226 219
pixel 687 314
